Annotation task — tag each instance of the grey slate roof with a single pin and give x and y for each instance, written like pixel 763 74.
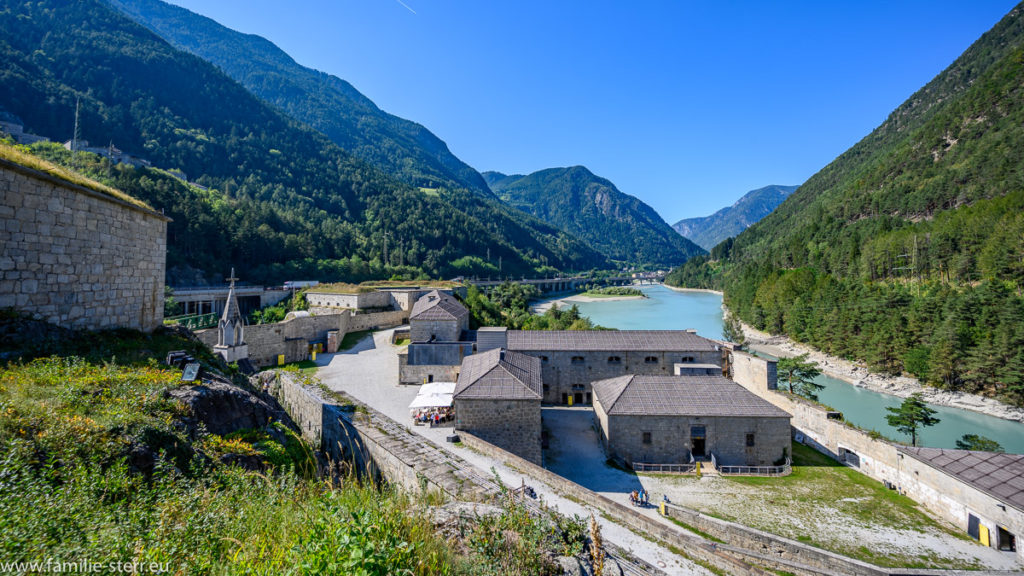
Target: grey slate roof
pixel 500 375
pixel 436 305
pixel 609 340
pixel 998 475
pixel 681 396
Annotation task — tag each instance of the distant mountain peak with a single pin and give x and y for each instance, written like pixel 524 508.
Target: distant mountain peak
pixel 577 201
pixel 708 231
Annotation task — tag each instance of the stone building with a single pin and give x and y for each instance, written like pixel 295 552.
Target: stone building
pixel 438 333
pixel 79 257
pixel 572 359
pixel 666 419
pixel 982 492
pixel 332 298
pixel 498 400
pixel 438 317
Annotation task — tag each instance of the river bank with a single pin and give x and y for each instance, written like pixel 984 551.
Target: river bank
pixel 579 298
pixel 705 290
pixel 858 375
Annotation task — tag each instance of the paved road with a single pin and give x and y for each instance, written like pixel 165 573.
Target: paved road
pixel 369 373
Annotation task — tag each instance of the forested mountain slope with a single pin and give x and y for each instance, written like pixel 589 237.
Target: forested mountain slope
pixel 283 199
pixel 618 225
pixel 401 148
pixel 708 231
pixel 908 250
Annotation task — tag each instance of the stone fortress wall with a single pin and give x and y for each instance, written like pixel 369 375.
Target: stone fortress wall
pixel 292 337
pixel 76 257
pixel 815 426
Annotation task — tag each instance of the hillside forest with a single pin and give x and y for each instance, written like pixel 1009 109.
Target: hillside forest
pixel 907 251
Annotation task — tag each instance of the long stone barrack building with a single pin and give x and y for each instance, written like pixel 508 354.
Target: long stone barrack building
pixel 572 359
pixel 675 419
pixel 79 257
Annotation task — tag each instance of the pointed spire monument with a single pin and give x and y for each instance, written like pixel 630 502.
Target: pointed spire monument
pixel 230 330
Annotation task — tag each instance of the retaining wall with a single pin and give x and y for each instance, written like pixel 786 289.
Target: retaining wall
pixel 76 257
pixel 348 431
pixel 291 338
pixel 942 494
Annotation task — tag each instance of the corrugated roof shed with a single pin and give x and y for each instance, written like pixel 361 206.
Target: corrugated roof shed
pixel 436 305
pixel 681 396
pixel 500 375
pixel 609 340
pixel 998 475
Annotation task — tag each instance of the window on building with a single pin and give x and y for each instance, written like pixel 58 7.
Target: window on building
pixel 688 359
pixel 647 437
pixel 546 388
pixel 750 439
pixel 615 360
pixel 577 359
pixel 543 358
pixel 651 360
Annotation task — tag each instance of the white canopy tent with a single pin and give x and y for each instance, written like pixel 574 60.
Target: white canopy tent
pixel 434 395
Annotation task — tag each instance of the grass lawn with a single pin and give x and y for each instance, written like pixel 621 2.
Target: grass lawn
pixel 830 506
pixel 402 342
pixel 351 339
pixel 306 367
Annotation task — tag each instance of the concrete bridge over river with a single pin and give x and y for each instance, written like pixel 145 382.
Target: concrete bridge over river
pixel 570 283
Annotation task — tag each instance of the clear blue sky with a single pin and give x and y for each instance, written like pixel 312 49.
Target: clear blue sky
pixel 686 105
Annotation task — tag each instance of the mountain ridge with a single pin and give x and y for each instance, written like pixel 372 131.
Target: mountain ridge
pixel 907 250
pixel 329 104
pixel 574 199
pixel 278 199
pixel 709 231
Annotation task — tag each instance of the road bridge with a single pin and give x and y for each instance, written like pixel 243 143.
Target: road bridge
pixel 210 299
pixel 570 283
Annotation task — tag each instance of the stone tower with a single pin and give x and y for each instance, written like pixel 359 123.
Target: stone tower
pixel 231 344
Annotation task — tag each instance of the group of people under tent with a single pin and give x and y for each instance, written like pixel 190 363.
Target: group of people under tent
pixel 433 416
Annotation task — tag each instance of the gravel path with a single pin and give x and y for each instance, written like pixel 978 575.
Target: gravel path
pixel 369 373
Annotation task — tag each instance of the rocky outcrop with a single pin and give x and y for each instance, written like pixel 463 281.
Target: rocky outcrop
pixel 223 407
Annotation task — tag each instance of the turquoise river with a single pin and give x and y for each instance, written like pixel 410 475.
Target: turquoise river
pixel 666 309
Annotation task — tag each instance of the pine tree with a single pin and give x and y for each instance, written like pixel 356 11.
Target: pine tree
pixel 976 442
pixel 911 415
pixel 799 374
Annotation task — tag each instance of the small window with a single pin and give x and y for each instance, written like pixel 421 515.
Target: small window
pixel 750 439
pixel 615 360
pixel 546 388
pixel 647 437
pixel 651 360
pixel 543 358
pixel 687 359
pixel 577 359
